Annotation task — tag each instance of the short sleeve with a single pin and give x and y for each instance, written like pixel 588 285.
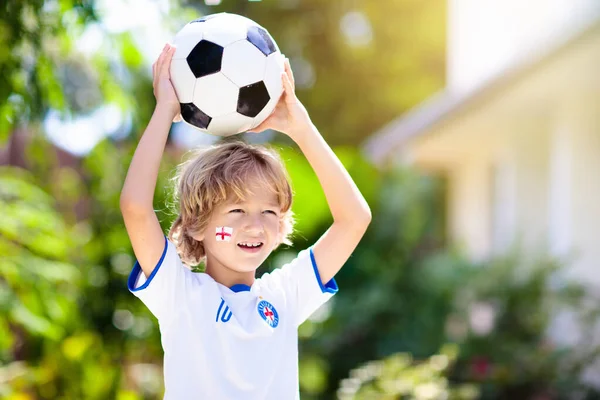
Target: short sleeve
pixel 302 283
pixel 165 286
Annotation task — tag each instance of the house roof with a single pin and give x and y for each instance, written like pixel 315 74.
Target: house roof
pixel 445 104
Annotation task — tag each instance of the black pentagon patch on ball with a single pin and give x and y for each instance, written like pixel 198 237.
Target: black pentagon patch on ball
pixel 261 39
pixel 194 116
pixel 253 98
pixel 206 18
pixel 205 58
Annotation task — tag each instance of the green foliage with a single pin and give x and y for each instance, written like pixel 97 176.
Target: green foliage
pixel 501 317
pixel 398 376
pixel 48 349
pixel 33 37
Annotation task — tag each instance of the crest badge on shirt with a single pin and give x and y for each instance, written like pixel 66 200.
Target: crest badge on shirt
pixel 268 313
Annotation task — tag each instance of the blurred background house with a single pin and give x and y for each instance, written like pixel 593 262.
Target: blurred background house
pixel 516 131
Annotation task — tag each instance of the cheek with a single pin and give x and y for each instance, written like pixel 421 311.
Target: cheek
pixel 273 225
pixel 224 229
pixel 233 224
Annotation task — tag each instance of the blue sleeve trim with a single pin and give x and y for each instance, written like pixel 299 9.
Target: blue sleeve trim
pixel 138 270
pixel 329 287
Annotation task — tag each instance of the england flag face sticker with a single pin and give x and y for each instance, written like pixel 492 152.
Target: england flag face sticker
pixel 268 313
pixel 224 233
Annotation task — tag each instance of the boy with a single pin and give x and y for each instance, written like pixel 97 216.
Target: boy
pixel 226 334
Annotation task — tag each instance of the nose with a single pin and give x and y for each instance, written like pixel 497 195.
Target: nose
pixel 253 225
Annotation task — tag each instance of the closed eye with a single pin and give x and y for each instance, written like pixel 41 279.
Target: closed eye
pixel 237 210
pixel 270 212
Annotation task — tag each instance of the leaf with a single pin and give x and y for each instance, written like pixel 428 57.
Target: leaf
pixel 74 347
pixel 28 216
pixel 35 324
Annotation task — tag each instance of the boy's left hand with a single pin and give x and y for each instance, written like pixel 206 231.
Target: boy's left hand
pixel 290 115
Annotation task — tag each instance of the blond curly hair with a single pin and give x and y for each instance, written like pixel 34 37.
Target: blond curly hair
pixel 218 173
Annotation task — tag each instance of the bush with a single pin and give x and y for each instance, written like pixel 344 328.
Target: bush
pixel 399 377
pixel 404 290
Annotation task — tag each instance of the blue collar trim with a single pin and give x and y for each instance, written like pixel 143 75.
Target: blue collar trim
pixel 240 287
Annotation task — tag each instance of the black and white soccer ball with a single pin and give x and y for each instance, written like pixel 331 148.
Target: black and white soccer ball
pixel 226 72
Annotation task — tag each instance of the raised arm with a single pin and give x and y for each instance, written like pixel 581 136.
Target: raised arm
pixel 350 211
pixel 136 201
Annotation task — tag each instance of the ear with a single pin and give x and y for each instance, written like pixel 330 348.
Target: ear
pixel 200 236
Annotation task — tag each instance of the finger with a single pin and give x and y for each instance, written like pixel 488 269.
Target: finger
pixel 168 60
pixel 157 65
pixel 161 60
pixel 288 89
pixel 289 73
pixel 165 67
pixel 263 126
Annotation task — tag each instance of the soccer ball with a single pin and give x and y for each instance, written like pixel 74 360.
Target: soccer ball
pixel 226 72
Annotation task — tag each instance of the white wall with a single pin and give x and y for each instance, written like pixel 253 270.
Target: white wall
pixel 531 151
pixel 540 190
pixel 489 36
pixel 469 206
pixel 524 162
pixel 578 124
pixel 499 198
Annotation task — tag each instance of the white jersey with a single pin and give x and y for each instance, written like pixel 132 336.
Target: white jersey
pixel 230 343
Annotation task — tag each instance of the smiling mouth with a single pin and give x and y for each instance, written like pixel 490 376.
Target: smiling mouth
pixel 251 247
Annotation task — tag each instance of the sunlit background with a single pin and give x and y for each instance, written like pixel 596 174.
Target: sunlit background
pixel 472 127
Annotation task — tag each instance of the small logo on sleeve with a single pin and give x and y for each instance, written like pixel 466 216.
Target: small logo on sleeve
pixel 268 313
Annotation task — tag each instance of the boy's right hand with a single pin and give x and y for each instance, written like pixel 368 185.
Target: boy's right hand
pixel 163 88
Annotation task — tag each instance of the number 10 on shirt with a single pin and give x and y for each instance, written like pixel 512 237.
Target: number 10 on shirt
pixel 225 315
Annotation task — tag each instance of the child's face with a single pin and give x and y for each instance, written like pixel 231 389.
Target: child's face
pixel 241 235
